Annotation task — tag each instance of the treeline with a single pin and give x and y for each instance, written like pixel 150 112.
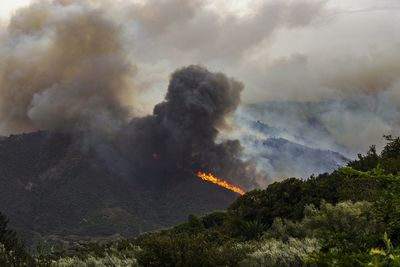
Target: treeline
pixel 350 217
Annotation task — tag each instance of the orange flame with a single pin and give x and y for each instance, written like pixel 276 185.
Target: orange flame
pixel 211 178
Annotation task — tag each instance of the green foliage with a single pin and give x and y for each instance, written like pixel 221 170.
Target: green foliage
pixel 389 256
pixel 214 219
pixel 284 199
pixel 278 253
pixel 7 257
pixel 387 209
pixel 288 199
pixel 252 229
pixel 107 260
pixel 334 258
pixel 366 162
pixel 279 199
pixel 381 189
pixel 172 248
pixel 347 226
pixel 118 254
pixel 389 158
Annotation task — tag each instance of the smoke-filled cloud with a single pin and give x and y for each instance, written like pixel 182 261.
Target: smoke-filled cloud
pixel 207 34
pixel 86 63
pixel 172 33
pixel 69 63
pixel 63 65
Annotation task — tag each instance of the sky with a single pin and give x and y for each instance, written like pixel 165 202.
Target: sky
pixel 340 52
pixel 9 6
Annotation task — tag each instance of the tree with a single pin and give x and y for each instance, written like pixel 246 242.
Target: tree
pixel 13 249
pixel 367 162
pixel 390 156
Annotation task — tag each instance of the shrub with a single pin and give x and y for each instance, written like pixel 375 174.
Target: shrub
pixel 277 253
pixel 189 249
pixel 346 226
pixel 92 261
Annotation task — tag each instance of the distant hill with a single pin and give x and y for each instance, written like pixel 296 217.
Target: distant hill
pixel 283 150
pixel 52 185
pixel 285 158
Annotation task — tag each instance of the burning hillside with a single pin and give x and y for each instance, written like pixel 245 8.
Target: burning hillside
pixel 215 180
pixel 62 191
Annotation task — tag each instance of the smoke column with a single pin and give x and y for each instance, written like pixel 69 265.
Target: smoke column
pixel 183 129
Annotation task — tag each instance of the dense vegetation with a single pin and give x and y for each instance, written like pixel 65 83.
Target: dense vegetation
pixel 350 217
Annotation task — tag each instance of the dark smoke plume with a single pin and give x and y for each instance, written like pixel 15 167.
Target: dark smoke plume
pixel 181 134
pixel 195 105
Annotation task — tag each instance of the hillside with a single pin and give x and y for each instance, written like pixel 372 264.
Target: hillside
pixel 286 158
pixel 51 185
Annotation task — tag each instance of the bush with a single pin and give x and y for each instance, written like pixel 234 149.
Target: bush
pixel 346 226
pixel 188 249
pixel 277 253
pixel 92 261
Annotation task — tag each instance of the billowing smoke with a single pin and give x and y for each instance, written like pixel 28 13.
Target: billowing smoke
pixel 99 64
pixel 196 104
pixel 63 65
pixel 181 135
pixel 68 63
